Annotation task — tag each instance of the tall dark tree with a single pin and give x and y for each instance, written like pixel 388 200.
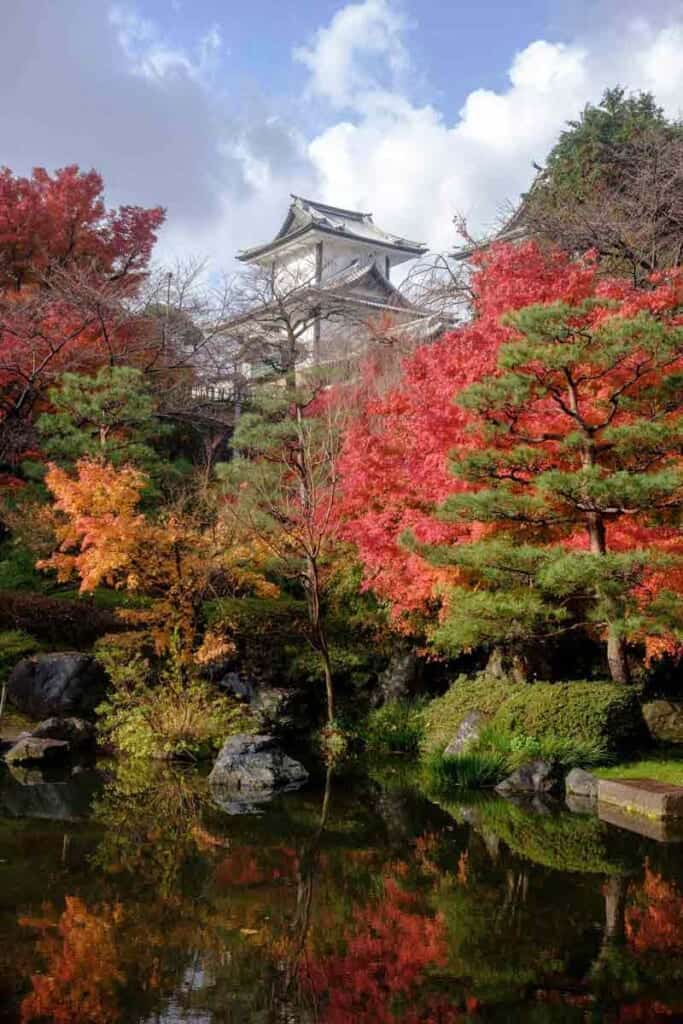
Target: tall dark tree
pixel 614 183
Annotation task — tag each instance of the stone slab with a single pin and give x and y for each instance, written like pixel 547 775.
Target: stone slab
pixel 662 830
pixel 647 797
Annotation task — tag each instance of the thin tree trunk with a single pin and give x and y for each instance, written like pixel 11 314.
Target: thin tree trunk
pixel 318 632
pixel 616 644
pixel 327 669
pixel 616 656
pixel 595 525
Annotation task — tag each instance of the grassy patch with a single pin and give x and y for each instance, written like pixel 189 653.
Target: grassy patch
pixel 475 770
pixel 664 766
pixel 564 751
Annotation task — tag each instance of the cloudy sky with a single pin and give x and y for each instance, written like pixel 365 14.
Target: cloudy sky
pixel 414 109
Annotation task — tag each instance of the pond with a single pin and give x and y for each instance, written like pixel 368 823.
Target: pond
pixel 129 896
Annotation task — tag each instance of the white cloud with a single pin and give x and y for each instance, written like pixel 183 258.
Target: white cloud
pixel 416 167
pixel 152 57
pixel 111 88
pixel 360 49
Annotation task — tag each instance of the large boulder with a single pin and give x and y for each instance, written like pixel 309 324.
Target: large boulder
pixel 64 684
pixel 468 732
pixel 532 777
pixel 398 679
pixel 581 783
pixel 278 710
pixel 255 764
pixel 664 720
pixel 79 734
pixel 29 750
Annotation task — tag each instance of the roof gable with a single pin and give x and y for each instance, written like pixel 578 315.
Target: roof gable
pixel 306 215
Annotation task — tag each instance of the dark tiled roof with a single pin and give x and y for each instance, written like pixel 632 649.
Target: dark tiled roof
pixel 306 215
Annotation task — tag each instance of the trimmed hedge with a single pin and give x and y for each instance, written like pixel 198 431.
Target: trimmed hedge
pixel 56 621
pixel 598 713
pixel 605 713
pixel 443 715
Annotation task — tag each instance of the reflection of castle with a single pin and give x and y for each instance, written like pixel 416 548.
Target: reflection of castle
pixel 340 260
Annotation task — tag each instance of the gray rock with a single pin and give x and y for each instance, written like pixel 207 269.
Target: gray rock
pixel 237 685
pixel 79 734
pixel 664 720
pixel 57 684
pixel 28 749
pixel 581 783
pixel 280 711
pixel 468 733
pixel 255 764
pixel 533 777
pixel 398 679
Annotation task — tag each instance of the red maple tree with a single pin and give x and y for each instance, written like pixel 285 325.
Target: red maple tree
pixel 67 264
pixel 395 458
pixel 395 463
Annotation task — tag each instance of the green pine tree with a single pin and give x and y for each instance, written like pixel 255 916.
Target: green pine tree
pixel 581 435
pixel 111 415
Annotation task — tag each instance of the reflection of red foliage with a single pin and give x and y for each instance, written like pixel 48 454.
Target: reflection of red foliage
pixel 82 972
pixel 248 866
pixel 655 922
pixel 646 1013
pixel 391 947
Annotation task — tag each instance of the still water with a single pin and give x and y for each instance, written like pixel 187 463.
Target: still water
pixel 131 897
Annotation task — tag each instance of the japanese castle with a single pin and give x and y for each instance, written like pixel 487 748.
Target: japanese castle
pixel 341 257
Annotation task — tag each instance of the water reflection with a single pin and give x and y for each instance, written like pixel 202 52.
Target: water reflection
pixel 358 900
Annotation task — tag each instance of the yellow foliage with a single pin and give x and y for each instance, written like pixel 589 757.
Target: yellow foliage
pixel 175 560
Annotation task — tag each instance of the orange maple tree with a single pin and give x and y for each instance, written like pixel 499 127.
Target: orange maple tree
pixel 176 558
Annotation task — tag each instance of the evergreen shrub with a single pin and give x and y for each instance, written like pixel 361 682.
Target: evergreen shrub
pixel 605 714
pixel 574 722
pixel 271 638
pixel 395 727
pixel 443 715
